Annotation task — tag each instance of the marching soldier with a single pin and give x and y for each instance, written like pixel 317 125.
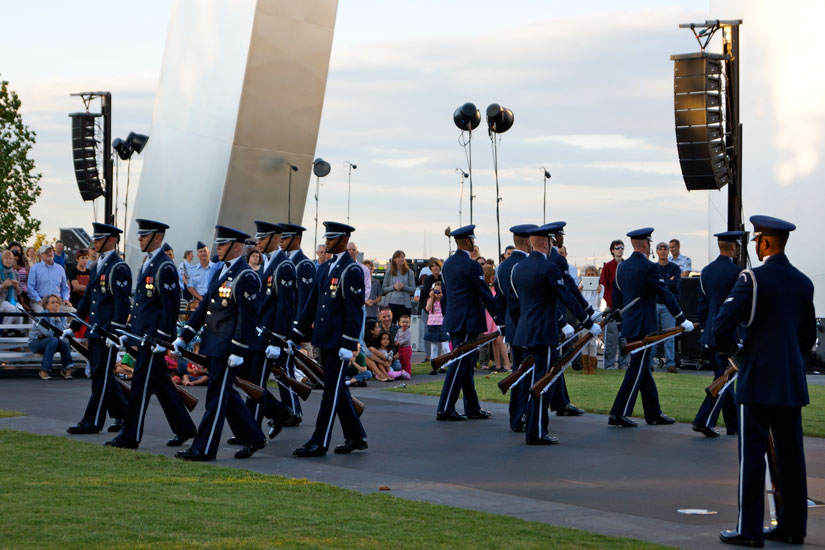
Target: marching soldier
pixel 334 315
pixel 775 303
pixel 637 277
pixel 537 284
pixel 106 304
pixel 154 314
pixel 229 316
pixel 467 296
pixel 715 283
pixel 508 307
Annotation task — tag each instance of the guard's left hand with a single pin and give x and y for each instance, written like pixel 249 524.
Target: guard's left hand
pixel 595 330
pixel 157 348
pixel 344 354
pixel 272 352
pixel 234 361
pixel 687 325
pixel 567 331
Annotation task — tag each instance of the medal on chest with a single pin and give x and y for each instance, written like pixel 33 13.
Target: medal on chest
pixel 269 285
pixel 103 283
pixel 333 286
pixel 149 285
pixel 225 292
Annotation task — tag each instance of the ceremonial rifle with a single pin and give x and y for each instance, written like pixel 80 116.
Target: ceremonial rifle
pixel 515 377
pixel 463 350
pixel 721 383
pixel 652 339
pixel 308 365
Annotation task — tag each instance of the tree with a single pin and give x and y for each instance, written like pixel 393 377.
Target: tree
pixel 19 185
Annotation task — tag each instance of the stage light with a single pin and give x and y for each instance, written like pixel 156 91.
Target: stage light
pixel 499 119
pixel 467 117
pixel 134 143
pixel 320 167
pixel 84 153
pixel 123 149
pixel 137 141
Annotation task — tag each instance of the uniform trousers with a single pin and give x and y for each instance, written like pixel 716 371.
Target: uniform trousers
pixel 222 402
pixel 149 378
pixel 106 393
pixel 638 378
pixel 288 397
pixel 709 411
pixel 460 379
pixel 336 400
pixel 519 393
pixel 785 423
pixel 268 406
pixel 537 415
pixel 558 399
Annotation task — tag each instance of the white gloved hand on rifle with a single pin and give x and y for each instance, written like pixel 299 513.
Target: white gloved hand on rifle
pixel 291 347
pixel 687 325
pixel 344 354
pixel 177 346
pixel 68 333
pixel 595 330
pixel 272 352
pixel 157 348
pixel 567 331
pixel 234 361
pixel 123 341
pixel 113 343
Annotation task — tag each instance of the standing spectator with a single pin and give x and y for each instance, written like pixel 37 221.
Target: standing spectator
pixel 320 255
pixel 426 286
pixel 46 278
pixel 611 330
pixel 508 251
pixel 9 288
pixel 60 254
pixel 403 341
pixel 255 260
pixel 679 259
pixel 21 265
pixel 670 274
pixel 169 251
pixel 42 340
pixel 476 253
pixel 31 256
pixel 399 285
pixel 352 250
pixel 374 293
pixel 573 270
pixel 594 298
pixel 500 355
pixel 200 273
pixel 79 277
pixel 185 266
pixel 438 339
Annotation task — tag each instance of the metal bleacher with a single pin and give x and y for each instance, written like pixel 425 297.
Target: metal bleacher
pixel 15 355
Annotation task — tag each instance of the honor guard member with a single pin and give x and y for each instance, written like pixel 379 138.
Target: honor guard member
pixel 106 304
pixel 775 304
pixel 276 312
pixel 154 314
pixel 467 295
pixel 508 306
pixel 637 277
pixel 334 315
pixel 559 398
pixel 229 317
pixel 305 280
pixel 538 284
pixel 715 283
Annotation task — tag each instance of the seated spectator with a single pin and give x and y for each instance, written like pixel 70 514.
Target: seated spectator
pixel 9 289
pixel 438 339
pixel 22 267
pixel 42 340
pixel 676 256
pixel 31 256
pixel 385 351
pixel 255 260
pixel 374 293
pixel 399 286
pixel 125 366
pixel 385 318
pixel 376 363
pixel 46 278
pixel 357 371
pixel 79 277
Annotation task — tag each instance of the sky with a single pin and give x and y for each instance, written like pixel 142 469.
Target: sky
pixel 590 85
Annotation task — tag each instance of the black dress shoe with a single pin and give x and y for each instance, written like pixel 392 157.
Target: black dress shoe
pixel 775 533
pixel 179 440
pixel 661 420
pixel 121 443
pixel 116 426
pixel 193 455
pixel 623 421
pixel 570 410
pixel 248 450
pixel 309 449
pixel 544 440
pixel 275 430
pixel 292 421
pixel 234 441
pixel 480 415
pixel 450 416
pixel 705 431
pixel 732 536
pixel 351 445
pixel 521 428
pixel 83 428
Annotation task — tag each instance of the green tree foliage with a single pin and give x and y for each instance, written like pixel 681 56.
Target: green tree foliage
pixel 19 185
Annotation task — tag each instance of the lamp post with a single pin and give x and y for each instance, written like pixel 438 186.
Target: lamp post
pixel 499 120
pixel 349 183
pixel 320 168
pixel 292 168
pixel 544 211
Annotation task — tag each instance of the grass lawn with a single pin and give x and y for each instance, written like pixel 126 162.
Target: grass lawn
pixel 9 414
pixel 679 394
pixel 59 493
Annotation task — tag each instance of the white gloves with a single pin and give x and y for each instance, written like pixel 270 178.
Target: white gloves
pixel 113 343
pixel 344 354
pixel 291 347
pixel 157 348
pixel 272 352
pixel 687 325
pixel 123 341
pixel 68 333
pixel 234 361
pixel 595 330
pixel 178 345
pixel 567 331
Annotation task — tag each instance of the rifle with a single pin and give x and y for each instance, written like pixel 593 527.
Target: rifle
pixel 727 378
pixel 308 365
pixel 515 377
pixel 299 388
pixel 108 335
pixel 652 339
pixel 463 350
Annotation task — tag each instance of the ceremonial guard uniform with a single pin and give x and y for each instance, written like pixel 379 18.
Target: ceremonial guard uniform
pixel 715 283
pixel 637 277
pixel 508 308
pixel 229 316
pixel 466 295
pixel 333 316
pixel 775 303
pixel 154 314
pixel 537 284
pixel 106 304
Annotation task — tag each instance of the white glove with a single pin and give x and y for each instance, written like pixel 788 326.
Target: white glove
pixel 291 347
pixel 113 343
pixel 68 333
pixel 123 341
pixel 234 361
pixel 567 331
pixel 157 348
pixel 272 352
pixel 344 354
pixel 178 345
pixel 687 325
pixel 595 330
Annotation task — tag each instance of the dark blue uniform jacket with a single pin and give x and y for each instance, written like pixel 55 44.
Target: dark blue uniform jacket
pixel 106 300
pixel 715 283
pixel 466 295
pixel 157 299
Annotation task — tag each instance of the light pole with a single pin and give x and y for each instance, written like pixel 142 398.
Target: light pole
pixel 349 183
pixel 461 193
pixel 320 168
pixel 544 211
pixel 292 168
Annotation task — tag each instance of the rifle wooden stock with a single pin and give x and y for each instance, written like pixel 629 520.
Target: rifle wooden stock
pixel 538 388
pixel 300 389
pixel 252 390
pixel 717 385
pixel 506 382
pixel 127 389
pixel 652 338
pixel 309 366
pixel 439 361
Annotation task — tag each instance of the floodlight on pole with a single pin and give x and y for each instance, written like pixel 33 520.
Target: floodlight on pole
pixel 467 118
pixel 292 168
pixel 349 183
pixel 320 168
pixel 499 120
pixel 461 193
pixel 544 211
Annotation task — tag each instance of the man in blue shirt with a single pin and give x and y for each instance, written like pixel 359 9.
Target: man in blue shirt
pixel 671 274
pixel 46 277
pixel 59 254
pixel 200 273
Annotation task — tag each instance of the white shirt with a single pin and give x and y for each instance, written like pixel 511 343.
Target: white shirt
pixel 149 258
pixel 227 266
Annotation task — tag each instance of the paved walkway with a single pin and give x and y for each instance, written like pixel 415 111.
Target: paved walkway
pixel 626 482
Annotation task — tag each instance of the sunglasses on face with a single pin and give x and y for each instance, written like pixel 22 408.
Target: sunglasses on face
pixel 620 247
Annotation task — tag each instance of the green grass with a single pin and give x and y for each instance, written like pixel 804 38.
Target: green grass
pixel 9 414
pixel 679 394
pixel 58 493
